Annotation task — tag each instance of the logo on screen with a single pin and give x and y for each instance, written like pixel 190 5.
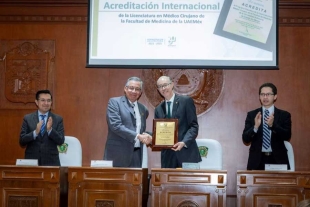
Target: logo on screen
pixel 155 41
pixel 172 41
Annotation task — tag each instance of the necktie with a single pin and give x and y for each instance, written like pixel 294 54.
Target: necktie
pixel 138 123
pixel 134 111
pixel 168 110
pixel 266 132
pixel 43 124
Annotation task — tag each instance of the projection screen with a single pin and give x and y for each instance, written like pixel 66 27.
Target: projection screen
pixel 227 34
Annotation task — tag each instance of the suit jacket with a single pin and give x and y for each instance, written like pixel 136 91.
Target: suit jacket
pixel 185 111
pixel 281 131
pixel 43 148
pixel 122 130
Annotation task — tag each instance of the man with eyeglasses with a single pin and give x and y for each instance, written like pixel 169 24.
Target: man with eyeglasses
pixel 42 131
pixel 126 119
pixel 183 109
pixel 266 129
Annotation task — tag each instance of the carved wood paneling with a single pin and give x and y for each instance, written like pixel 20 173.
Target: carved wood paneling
pixel 108 187
pixel 43 18
pixel 29 186
pixel 44 2
pixel 26 66
pixel 82 93
pixel 22 201
pixel 104 203
pixel 194 188
pixel 263 188
pixel 204 86
pixel 291 21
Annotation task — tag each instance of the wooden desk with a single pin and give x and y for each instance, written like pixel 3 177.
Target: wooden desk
pixel 117 187
pixel 178 187
pixel 29 186
pixel 272 189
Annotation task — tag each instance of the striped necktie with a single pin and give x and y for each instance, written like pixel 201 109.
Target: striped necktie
pixel 42 130
pixel 266 131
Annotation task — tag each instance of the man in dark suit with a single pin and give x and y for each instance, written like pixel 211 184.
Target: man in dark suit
pixel 183 109
pixel 126 119
pixel 42 135
pixel 277 130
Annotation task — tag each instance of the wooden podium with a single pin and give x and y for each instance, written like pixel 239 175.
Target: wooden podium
pixel 117 187
pixel 272 188
pixel 178 187
pixel 29 186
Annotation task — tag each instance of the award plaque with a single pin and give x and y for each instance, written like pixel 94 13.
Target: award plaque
pixel 165 134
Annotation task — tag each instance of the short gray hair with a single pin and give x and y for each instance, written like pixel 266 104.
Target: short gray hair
pixel 134 79
pixel 165 77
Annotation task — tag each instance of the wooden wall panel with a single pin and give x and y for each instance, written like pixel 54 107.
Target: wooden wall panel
pixel 81 94
pixel 30 186
pixel 105 187
pixel 175 187
pixel 276 189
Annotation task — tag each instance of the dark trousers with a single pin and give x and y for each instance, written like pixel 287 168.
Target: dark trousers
pixel 266 159
pixel 169 159
pixel 136 161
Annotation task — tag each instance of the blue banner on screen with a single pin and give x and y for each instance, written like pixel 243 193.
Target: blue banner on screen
pixel 231 34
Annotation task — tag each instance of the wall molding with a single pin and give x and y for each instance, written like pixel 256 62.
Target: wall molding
pixel 42 18
pixel 294 4
pixel 302 4
pixel 44 2
pixel 294 21
pixel 291 13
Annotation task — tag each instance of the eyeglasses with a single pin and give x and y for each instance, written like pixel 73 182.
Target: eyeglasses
pixel 164 85
pixel 266 94
pixel 45 100
pixel 131 88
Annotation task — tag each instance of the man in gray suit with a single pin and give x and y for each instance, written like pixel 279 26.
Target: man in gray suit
pixel 126 119
pixel 183 109
pixel 42 131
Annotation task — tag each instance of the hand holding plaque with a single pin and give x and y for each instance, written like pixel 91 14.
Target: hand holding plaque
pixel 165 133
pixel 178 146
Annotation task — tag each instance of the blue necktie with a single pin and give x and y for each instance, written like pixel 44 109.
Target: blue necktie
pixel 266 132
pixel 43 124
pixel 168 110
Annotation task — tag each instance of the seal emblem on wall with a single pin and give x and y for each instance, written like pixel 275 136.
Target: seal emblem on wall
pixel 204 86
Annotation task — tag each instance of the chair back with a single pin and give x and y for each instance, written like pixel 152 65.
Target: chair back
pixel 70 152
pixel 211 154
pixel 290 154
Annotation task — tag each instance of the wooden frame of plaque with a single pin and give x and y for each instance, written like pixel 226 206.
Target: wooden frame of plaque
pixel 165 133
